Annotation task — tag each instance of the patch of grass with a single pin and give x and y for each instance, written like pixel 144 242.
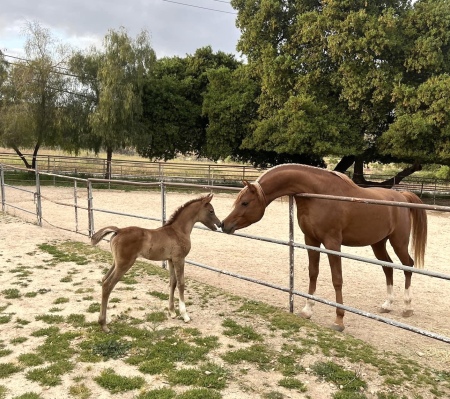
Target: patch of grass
pixel 5 318
pixel 159 295
pixel 200 393
pixel 3 392
pixel 156 317
pixel 60 300
pixel 18 340
pixel 22 322
pixel 28 395
pixel 257 354
pixel 3 351
pixel 332 372
pixel 241 333
pixel 94 307
pixel 77 320
pixel 116 383
pixel 50 319
pixel 67 279
pixel 60 256
pixel 30 359
pixel 272 395
pixel 292 383
pixel 80 391
pixel 51 375
pixel 111 348
pixel 208 375
pixel 11 293
pixel 162 393
pixel 7 369
pixel 31 294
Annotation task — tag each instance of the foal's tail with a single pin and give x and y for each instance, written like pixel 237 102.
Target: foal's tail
pixel 95 239
pixel 419 229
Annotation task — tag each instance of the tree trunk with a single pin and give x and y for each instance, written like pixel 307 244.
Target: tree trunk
pixel 109 152
pixel 35 152
pixel 19 153
pixel 358 172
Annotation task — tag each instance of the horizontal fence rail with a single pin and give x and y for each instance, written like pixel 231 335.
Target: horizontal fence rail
pixel 290 243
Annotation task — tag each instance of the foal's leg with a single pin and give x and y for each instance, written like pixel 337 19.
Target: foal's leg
pixel 109 271
pixel 112 278
pixel 314 258
pixel 179 273
pixel 172 285
pixel 379 250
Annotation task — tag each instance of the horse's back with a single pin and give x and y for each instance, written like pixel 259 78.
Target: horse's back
pixel 356 223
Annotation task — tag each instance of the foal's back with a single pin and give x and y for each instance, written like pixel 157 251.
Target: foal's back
pixel 162 243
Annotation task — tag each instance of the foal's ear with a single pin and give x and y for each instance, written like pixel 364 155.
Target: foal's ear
pixel 208 198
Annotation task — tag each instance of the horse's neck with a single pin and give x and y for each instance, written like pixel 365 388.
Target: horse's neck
pixel 185 221
pixel 288 181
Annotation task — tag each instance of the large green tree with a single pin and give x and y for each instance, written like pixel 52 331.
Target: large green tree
pixel 337 76
pixel 113 79
pixel 173 100
pixel 33 94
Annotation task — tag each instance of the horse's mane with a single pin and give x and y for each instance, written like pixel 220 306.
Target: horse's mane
pixel 180 209
pixel 343 176
pixel 259 193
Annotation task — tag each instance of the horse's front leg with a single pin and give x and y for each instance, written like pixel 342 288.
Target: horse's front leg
pixel 179 273
pixel 172 286
pixel 313 268
pixel 336 276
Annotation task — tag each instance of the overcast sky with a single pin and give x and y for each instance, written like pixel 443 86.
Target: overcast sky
pixel 175 29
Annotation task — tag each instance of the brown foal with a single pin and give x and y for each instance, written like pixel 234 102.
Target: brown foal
pixel 170 242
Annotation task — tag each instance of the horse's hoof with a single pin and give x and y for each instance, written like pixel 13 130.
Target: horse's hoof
pixel 172 315
pixel 407 313
pixel 305 315
pixel 337 327
pixel 186 318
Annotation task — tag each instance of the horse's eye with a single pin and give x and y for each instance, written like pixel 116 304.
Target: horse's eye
pixel 211 211
pixel 244 203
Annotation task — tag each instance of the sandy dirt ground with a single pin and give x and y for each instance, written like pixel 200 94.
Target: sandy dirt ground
pixel 364 284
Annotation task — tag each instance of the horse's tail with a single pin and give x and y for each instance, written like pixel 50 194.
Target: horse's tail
pixel 95 239
pixel 419 229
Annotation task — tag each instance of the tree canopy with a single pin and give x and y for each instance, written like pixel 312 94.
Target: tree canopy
pixel 348 78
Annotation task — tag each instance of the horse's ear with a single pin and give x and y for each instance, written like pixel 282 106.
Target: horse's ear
pixel 249 185
pixel 208 198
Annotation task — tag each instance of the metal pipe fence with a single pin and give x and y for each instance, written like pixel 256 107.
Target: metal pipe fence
pixel 290 243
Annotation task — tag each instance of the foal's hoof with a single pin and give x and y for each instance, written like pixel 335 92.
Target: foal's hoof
pixel 105 329
pixel 337 327
pixel 186 318
pixel 172 314
pixel 407 313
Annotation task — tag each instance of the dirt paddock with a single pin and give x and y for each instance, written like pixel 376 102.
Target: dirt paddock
pixel 364 284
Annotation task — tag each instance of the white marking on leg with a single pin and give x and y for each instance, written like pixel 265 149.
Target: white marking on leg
pixel 408 305
pixel 307 311
pixel 183 312
pixel 387 305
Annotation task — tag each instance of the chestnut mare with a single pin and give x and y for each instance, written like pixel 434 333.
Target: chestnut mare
pixel 336 223
pixel 170 242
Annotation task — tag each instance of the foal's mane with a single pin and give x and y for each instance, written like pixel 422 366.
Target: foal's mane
pixel 180 209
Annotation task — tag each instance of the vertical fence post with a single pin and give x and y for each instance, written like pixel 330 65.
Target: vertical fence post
pixel 38 196
pixel 2 184
pixel 291 253
pixel 163 211
pixel 75 202
pixel 90 209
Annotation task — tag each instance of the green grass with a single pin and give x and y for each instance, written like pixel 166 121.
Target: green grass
pixel 116 383
pixel 192 363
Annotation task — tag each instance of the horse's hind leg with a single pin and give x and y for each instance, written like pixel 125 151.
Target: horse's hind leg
pixel 379 250
pixel 172 286
pixel 109 272
pixel 314 259
pixel 402 252
pixel 109 282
